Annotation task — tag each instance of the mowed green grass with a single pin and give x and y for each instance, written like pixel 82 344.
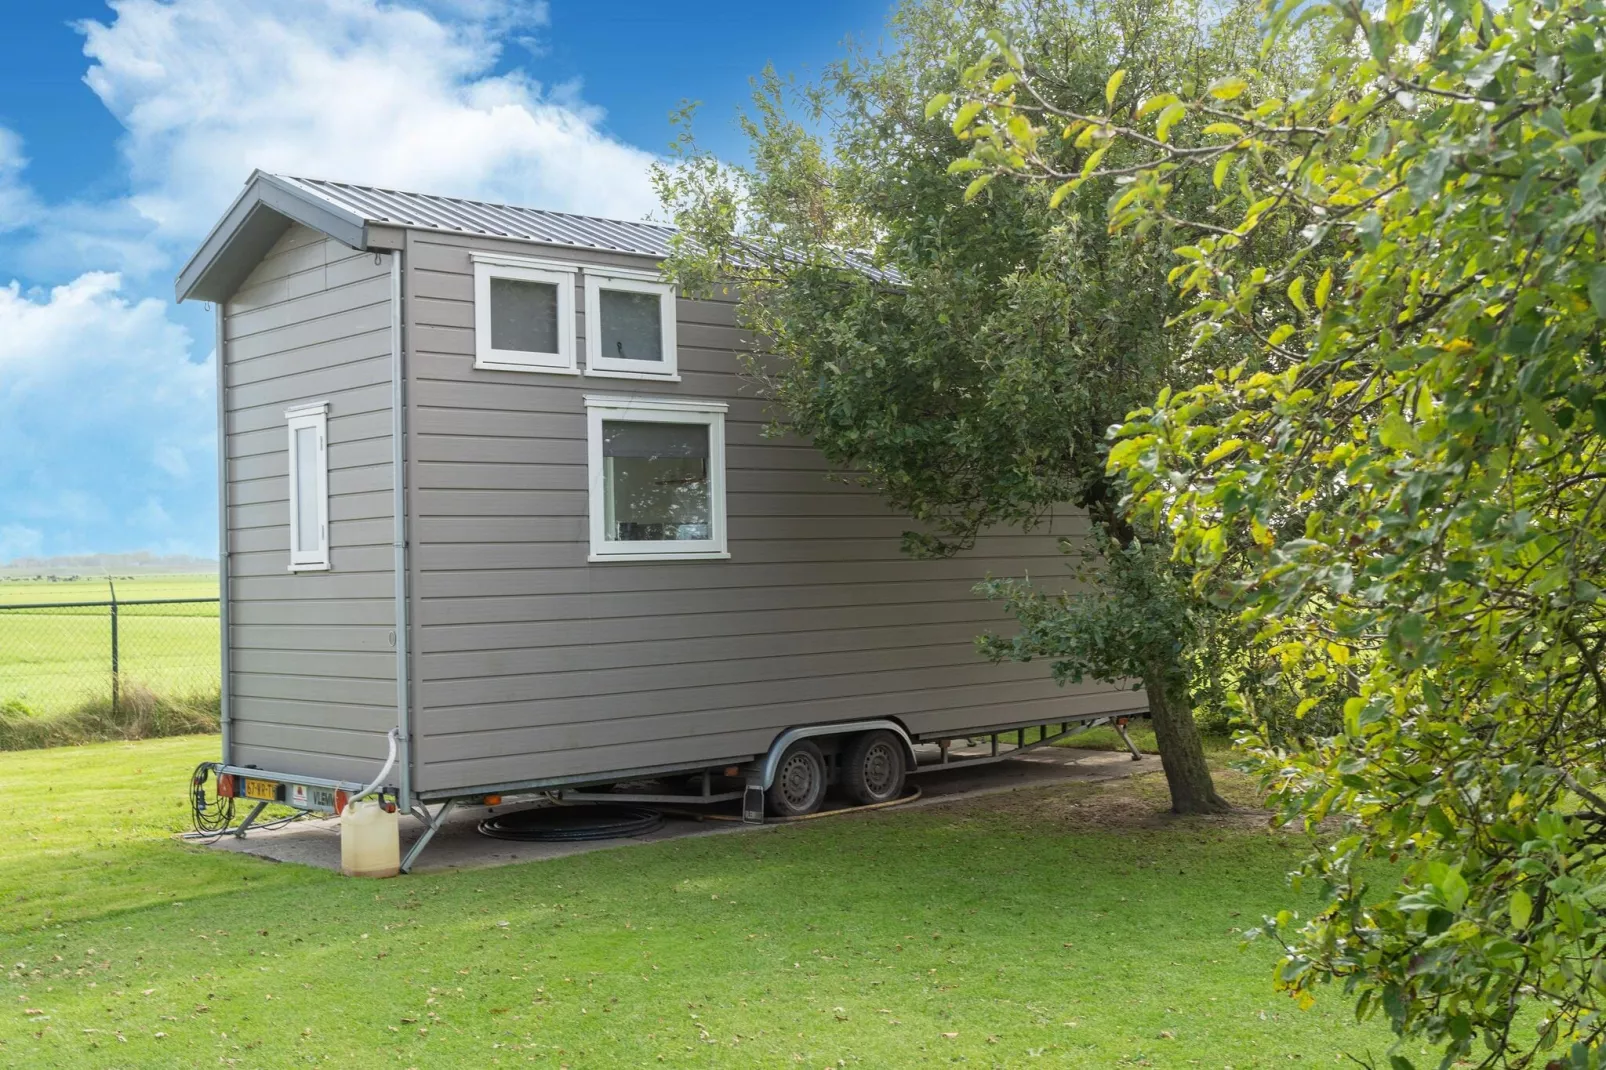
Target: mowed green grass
pixel 1061 927
pixel 54 660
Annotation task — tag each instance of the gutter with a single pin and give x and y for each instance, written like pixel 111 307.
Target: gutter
pixel 398 462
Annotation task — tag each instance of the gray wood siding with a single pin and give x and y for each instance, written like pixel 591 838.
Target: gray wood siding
pixel 530 662
pixel 313 686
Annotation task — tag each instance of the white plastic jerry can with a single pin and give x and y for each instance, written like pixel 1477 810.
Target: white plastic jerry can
pixel 370 841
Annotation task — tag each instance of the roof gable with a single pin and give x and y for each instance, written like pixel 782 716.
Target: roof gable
pixel 359 215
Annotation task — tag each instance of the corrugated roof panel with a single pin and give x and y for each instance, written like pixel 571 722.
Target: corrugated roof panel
pixel 428 212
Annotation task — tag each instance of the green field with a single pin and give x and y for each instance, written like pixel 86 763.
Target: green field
pixel 53 661
pixel 1072 926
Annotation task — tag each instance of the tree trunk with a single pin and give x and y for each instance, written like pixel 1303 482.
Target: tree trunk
pixel 1181 752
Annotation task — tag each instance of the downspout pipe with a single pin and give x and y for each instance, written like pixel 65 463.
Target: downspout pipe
pixel 224 639
pixel 402 740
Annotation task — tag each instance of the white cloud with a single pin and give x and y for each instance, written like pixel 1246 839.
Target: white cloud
pixel 17 204
pixel 345 89
pixel 105 422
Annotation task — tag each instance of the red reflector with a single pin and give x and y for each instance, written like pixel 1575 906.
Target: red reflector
pixel 340 801
pixel 225 785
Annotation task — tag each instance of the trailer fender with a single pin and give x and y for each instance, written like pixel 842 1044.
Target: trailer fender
pixel 766 768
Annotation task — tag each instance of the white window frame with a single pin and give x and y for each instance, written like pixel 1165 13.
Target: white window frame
pixel 297 418
pixel 710 414
pixel 601 364
pixel 486 268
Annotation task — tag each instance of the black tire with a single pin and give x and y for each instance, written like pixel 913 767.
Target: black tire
pixel 874 767
pixel 799 786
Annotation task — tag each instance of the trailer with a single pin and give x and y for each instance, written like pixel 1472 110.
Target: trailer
pixel 499 514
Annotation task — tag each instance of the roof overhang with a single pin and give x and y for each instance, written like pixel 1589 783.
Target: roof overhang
pixel 258 217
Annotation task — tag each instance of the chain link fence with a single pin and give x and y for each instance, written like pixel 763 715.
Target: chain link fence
pixel 61 658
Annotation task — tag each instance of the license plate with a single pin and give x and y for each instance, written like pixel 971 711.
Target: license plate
pixel 310 798
pixel 267 790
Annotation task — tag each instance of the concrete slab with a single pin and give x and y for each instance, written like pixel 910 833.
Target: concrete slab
pixel 458 845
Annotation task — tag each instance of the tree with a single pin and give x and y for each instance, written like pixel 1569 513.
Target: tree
pixel 969 354
pixel 1402 490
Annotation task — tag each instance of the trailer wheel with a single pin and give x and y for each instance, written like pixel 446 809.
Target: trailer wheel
pixel 799 785
pixel 874 767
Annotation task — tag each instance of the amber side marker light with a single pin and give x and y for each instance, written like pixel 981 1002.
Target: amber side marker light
pixel 493 800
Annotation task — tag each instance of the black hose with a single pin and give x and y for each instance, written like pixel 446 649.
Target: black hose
pixel 568 824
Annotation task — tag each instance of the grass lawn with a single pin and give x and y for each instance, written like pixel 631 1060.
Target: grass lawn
pixel 55 660
pixel 1064 926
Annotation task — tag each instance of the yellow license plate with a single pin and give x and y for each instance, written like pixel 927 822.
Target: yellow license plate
pixel 261 789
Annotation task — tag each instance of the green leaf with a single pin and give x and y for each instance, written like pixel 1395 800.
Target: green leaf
pixel 967 114
pixel 976 186
pixel 1454 889
pixel 1065 189
pixel 1156 102
pixel 1296 294
pixel 1324 286
pixel 1219 174
pixel 1168 119
pixel 1396 432
pixel 964 163
pixel 1522 908
pixel 937 103
pixel 1228 88
pixel 1232 129
pixel 1540 418
pixel 1597 290
pixel 1113 86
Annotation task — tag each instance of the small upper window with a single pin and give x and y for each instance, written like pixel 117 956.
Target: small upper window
pixel 657 478
pixel 630 325
pixel 523 315
pixel 309 486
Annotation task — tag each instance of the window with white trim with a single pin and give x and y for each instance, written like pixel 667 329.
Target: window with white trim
pixel 524 315
pixel 657 478
pixel 309 486
pixel 630 325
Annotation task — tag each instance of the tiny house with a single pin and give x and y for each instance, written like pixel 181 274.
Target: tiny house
pixel 494 496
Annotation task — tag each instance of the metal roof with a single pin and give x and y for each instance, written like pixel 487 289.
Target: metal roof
pixel 366 217
pixel 430 212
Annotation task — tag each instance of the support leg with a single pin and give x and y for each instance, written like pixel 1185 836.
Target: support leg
pixel 256 811
pixel 1120 726
pixel 431 827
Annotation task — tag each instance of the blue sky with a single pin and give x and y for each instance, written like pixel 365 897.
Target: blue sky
pixel 126 128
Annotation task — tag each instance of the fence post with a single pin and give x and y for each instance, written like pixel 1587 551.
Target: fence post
pixel 115 669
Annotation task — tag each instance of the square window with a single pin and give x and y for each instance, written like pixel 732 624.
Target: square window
pixel 524 315
pixel 657 478
pixel 308 468
pixel 630 326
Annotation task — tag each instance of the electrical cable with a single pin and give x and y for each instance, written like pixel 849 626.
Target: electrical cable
pixel 211 820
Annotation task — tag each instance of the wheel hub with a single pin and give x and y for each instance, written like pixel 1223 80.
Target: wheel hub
pixel 797 780
pixel 879 763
